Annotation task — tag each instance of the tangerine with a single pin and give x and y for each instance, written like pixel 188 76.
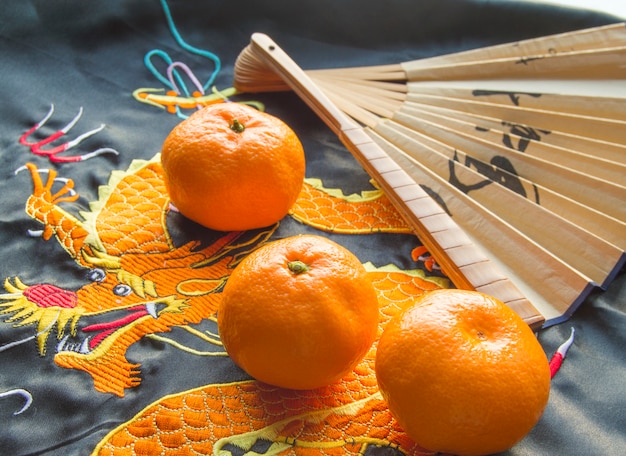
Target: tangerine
pixel 462 373
pixel 231 167
pixel 298 313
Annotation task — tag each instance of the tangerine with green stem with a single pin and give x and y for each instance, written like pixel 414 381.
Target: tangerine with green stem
pixel 230 167
pixel 299 312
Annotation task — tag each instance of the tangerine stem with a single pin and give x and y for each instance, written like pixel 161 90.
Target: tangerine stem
pixel 297 267
pixel 237 126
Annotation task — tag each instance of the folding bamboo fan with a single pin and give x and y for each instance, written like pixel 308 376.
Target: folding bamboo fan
pixel 508 161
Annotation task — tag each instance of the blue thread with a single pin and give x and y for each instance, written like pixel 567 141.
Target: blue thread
pixel 148 62
pixel 174 80
pixel 209 55
pixel 180 114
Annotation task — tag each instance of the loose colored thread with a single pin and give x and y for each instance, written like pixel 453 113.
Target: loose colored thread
pixel 168 60
pixel 174 80
pixel 179 95
pixel 557 359
pixel 169 101
pixel 215 59
pixel 52 153
pixel 170 73
pixel 28 398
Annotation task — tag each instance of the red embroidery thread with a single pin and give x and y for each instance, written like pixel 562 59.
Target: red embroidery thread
pixel 557 359
pixel 52 153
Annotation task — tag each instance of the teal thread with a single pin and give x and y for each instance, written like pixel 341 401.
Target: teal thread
pixel 168 60
pixel 175 81
pixel 194 50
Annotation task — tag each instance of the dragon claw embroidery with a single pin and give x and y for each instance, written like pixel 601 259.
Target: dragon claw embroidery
pixel 52 153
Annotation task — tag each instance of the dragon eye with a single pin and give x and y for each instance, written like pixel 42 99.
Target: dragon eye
pixel 96 275
pixel 121 290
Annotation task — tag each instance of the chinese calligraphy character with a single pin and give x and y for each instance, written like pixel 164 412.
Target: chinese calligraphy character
pixel 525 134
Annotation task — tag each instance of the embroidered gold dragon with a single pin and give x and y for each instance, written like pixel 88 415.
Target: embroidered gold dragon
pixel 140 282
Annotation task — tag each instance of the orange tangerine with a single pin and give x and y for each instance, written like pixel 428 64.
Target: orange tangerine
pixel 462 373
pixel 299 312
pixel 231 167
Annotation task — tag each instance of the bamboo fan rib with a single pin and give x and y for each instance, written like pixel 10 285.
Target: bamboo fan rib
pixel 523 145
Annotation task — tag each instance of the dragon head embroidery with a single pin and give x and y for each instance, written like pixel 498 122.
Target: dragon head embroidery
pixel 139 282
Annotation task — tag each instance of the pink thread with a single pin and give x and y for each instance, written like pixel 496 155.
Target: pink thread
pixel 187 71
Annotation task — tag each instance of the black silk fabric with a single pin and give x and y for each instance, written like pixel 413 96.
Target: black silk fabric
pixel 84 54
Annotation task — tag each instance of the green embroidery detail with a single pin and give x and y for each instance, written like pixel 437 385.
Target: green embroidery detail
pixel 441 281
pixel 365 195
